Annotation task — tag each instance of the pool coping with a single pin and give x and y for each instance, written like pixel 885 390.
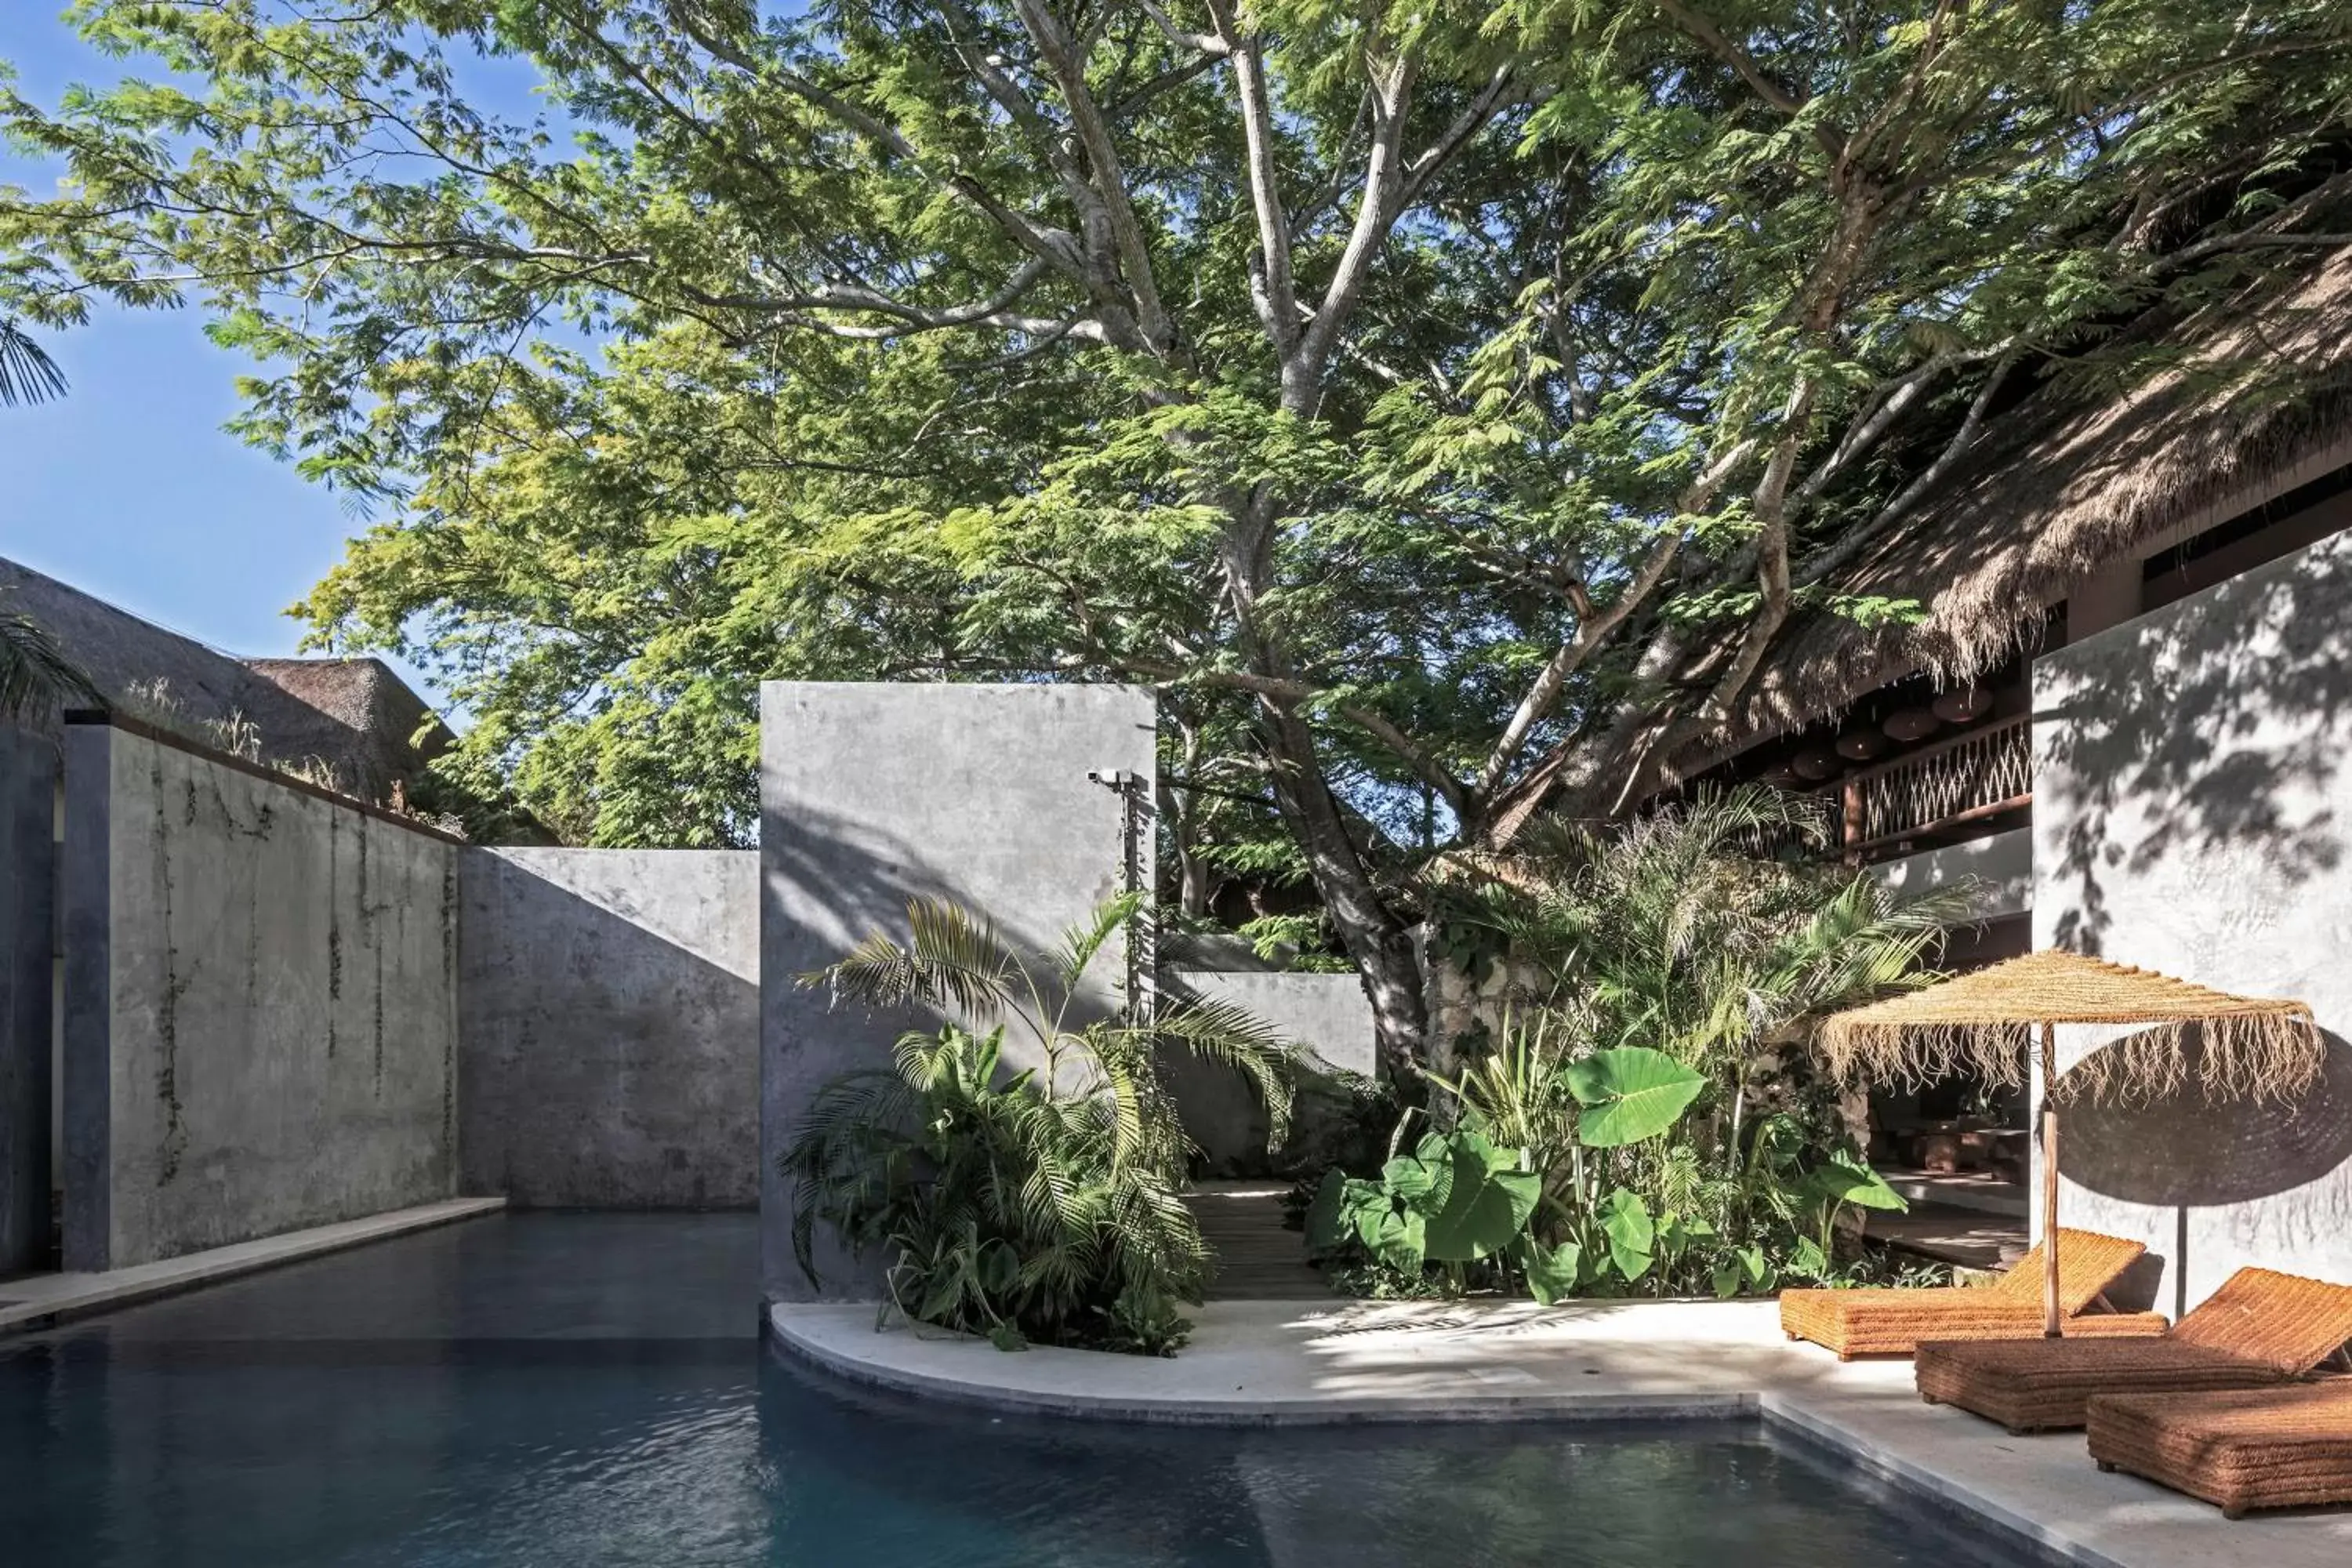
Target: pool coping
pixel 43 1301
pixel 2040 1496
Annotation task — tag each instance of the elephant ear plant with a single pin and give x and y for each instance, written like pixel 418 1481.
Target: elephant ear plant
pixel 1038 1205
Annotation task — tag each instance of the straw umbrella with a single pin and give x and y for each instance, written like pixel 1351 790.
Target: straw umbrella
pixel 1992 1020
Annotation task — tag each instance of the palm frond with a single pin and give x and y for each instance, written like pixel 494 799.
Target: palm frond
pixel 1229 1034
pixel 35 678
pixel 1083 942
pixel 952 962
pixel 27 374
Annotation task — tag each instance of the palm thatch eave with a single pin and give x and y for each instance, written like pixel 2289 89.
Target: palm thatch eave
pixel 1987 1021
pixel 2250 398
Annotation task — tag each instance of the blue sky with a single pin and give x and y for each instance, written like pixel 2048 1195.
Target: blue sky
pixel 128 487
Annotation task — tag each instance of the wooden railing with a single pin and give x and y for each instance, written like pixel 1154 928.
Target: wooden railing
pixel 1980 773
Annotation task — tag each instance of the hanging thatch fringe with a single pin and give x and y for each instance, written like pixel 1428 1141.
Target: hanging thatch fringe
pixel 1987 1023
pixel 2258 1056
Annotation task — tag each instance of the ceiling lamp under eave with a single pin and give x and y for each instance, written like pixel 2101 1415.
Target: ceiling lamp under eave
pixel 1963 705
pixel 1815 763
pixel 1909 724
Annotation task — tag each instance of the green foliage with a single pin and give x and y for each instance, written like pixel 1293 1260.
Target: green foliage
pixel 1399 386
pixel 1042 1205
pixel 1456 1199
pixel 27 374
pixel 1628 1093
pixel 1709 1159
pixel 35 676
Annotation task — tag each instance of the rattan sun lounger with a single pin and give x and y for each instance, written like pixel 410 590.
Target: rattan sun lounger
pixel 2260 1328
pixel 2245 1448
pixel 1894 1321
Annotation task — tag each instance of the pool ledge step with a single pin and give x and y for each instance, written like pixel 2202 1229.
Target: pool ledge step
pixel 40 1300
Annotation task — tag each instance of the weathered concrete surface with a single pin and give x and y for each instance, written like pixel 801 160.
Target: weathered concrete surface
pixel 1326 1015
pixel 2193 813
pixel 873 795
pixel 28 771
pixel 1998 871
pixel 261 1007
pixel 609 1027
pixel 1258 1364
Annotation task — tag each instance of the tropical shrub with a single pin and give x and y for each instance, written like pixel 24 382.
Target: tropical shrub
pixel 1039 1205
pixel 1656 1092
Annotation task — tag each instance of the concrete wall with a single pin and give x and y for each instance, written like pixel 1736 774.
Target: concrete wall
pixel 2193 813
pixel 609 1026
pixel 261 1005
pixel 873 795
pixel 1327 1015
pixel 29 769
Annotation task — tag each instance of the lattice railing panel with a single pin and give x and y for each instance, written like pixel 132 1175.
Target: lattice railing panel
pixel 1967 774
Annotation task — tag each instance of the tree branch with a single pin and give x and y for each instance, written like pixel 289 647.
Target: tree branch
pixel 1278 299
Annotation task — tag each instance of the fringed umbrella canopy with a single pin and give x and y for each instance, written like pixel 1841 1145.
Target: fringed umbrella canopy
pixel 1987 1021
pixel 1991 1019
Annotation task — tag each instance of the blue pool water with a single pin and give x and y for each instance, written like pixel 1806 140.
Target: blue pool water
pixel 576 1391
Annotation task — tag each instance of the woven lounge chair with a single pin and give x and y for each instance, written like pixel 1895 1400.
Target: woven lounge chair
pixel 2239 1449
pixel 1894 1321
pixel 2259 1328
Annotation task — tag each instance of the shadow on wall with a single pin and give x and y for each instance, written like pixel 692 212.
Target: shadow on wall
pixel 610 1012
pixel 830 883
pixel 2192 1156
pixel 2204 734
pixel 2183 1149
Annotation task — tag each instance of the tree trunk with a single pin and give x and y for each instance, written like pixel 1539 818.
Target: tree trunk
pixel 1380 944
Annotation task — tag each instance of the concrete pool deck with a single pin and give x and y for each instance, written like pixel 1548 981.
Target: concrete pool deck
pixel 1273 1363
pixel 42 1301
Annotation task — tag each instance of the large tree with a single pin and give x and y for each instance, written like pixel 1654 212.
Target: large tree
pixel 1404 387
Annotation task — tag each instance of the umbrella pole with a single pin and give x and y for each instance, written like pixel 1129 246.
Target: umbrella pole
pixel 2050 1328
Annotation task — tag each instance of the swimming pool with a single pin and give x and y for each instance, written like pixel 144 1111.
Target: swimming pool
pixel 576 1391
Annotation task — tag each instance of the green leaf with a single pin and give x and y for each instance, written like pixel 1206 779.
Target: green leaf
pixel 1485 1207
pixel 1629 1094
pixel 1553 1272
pixel 1327 1220
pixel 1633 1238
pixel 1845 1179
pixel 1398 1237
pixel 1409 1178
pixel 1727 1277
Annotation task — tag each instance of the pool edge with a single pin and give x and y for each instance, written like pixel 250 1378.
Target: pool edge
pixel 1779 1412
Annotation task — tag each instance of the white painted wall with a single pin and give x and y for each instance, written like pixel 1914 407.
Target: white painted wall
pixel 2193 813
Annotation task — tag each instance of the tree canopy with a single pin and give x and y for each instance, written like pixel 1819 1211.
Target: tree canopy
pixel 1406 389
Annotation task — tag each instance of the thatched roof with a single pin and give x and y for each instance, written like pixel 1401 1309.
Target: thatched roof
pixel 1986 1021
pixel 353 714
pixel 2243 392
pixel 2251 391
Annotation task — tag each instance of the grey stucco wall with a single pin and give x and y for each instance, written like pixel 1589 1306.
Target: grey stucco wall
pixel 609 1026
pixel 28 771
pixel 260 1005
pixel 2193 813
pixel 1328 1017
pixel 873 795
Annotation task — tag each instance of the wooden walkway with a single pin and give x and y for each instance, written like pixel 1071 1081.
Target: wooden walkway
pixel 1257 1258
